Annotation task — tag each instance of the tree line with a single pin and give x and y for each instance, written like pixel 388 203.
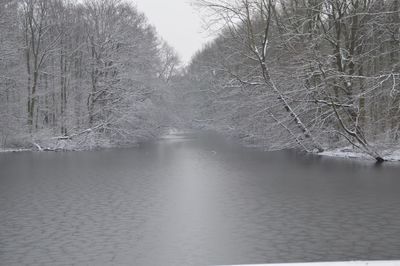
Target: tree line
pixel 308 74
pixel 81 74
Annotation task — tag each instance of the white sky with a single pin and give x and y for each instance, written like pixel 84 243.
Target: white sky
pixel 177 22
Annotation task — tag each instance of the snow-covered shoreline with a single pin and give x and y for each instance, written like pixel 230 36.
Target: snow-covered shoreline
pixel 343 152
pixel 54 144
pixel 14 150
pixel 349 153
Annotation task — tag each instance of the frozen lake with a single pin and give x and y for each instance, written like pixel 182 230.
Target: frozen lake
pixel 194 200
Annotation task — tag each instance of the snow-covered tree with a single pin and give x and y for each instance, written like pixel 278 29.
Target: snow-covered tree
pixel 88 72
pixel 308 74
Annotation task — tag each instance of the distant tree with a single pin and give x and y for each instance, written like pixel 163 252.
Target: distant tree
pixel 89 73
pixel 10 77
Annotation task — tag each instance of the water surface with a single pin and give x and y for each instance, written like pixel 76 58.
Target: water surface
pixel 194 199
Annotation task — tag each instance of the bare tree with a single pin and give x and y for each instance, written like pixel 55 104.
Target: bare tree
pixel 329 65
pixel 250 24
pixel 94 72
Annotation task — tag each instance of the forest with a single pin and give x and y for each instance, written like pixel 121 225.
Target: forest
pixel 80 75
pixel 312 75
pixel 306 74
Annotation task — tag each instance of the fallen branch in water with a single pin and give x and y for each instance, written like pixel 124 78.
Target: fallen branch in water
pixel 40 148
pixel 37 146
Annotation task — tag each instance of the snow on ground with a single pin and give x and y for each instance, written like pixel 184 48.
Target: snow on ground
pixel 351 263
pixel 174 133
pixel 343 152
pixel 348 152
pixel 394 156
pixel 13 150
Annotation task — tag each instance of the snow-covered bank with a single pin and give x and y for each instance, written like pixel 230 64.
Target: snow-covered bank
pixel 351 263
pixel 14 150
pixel 389 154
pixel 88 142
pixel 345 153
pixel 174 133
pixel 348 152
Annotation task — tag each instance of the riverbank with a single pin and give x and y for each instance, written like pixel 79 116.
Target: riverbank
pixel 347 152
pixel 86 141
pixel 390 155
pixel 65 148
pixel 14 150
pixel 350 153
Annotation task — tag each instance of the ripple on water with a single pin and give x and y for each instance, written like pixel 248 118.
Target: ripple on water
pixel 200 201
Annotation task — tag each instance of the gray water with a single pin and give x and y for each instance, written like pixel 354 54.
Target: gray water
pixel 194 200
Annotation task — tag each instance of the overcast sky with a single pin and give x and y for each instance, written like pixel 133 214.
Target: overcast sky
pixel 177 22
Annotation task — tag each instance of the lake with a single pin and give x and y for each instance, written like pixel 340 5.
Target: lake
pixel 195 199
